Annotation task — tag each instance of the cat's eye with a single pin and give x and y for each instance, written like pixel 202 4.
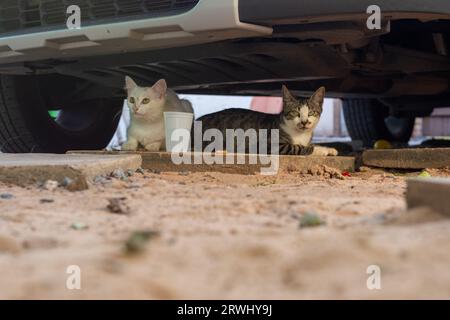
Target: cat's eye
pixel 131 100
pixel 146 101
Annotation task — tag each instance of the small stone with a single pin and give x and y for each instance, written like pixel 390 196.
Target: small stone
pixel 66 182
pixel 74 185
pixel 102 180
pixel 130 173
pixel 140 171
pixel 50 185
pixel 310 219
pixel 184 173
pixel 118 206
pixel 138 240
pixel 46 201
pixel 119 174
pixel 6 196
pixel 79 226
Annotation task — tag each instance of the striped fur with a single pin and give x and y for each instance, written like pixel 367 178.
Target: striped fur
pixel 295 123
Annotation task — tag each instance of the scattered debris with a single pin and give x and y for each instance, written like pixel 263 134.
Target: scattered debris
pixel 46 200
pixel 40 243
pixel 130 172
pixel 323 171
pixel 346 174
pixel 6 196
pixel 442 172
pixel 101 180
pixel 118 205
pixel 35 169
pixel 67 182
pixel 266 182
pixel 382 144
pixel 155 171
pixel 137 241
pixel 50 185
pixel 424 174
pixel 310 219
pixel 184 173
pixel 79 226
pixel 140 171
pixel 74 185
pixel 119 174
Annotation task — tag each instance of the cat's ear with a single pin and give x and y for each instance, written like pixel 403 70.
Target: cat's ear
pixel 288 100
pixel 129 83
pixel 317 98
pixel 160 87
pixel 287 96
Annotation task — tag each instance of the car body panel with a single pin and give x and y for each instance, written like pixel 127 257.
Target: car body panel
pixel 251 47
pixel 271 12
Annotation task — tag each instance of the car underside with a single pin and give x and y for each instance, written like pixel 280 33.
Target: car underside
pixel 404 65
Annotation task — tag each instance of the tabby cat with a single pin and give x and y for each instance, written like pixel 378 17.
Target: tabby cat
pixel 296 124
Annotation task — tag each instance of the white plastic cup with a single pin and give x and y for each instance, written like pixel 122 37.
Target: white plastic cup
pixel 178 127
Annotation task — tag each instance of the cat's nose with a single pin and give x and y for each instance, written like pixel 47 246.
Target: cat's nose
pixel 305 122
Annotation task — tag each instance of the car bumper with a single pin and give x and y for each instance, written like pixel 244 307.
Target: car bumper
pixel 208 21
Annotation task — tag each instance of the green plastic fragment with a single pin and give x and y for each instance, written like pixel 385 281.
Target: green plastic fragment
pixel 310 219
pixel 53 113
pixel 424 174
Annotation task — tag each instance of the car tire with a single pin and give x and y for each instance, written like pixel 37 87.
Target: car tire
pixel 368 120
pixel 26 126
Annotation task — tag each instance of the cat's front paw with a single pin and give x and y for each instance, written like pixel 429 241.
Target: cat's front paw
pixel 130 146
pixel 332 152
pixel 154 147
pixel 324 151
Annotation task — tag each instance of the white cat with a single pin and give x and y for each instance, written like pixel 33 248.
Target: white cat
pixel 147 106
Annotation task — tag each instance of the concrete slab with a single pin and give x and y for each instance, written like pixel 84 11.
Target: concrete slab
pixel 429 192
pixel 407 158
pixel 24 169
pixel 162 161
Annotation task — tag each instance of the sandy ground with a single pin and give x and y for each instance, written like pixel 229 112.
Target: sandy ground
pixel 222 236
